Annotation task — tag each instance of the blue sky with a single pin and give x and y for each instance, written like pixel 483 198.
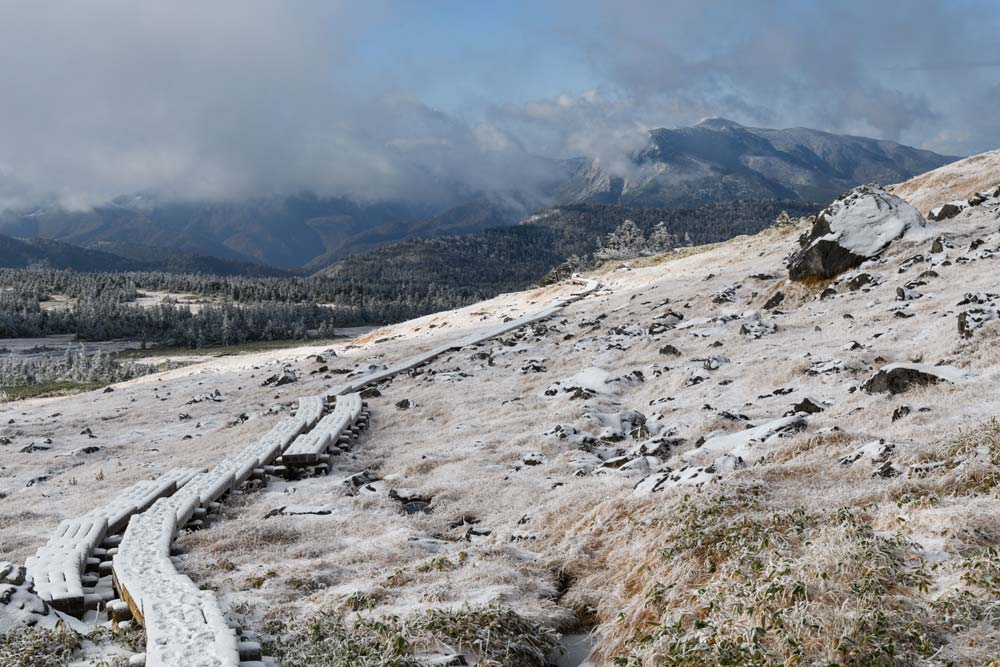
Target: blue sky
pixel 387 98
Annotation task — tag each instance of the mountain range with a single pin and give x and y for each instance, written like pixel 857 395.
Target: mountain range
pixel 715 161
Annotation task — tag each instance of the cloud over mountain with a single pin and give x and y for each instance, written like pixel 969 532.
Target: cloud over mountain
pixel 235 98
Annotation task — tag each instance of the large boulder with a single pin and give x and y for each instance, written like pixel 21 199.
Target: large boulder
pixel 856 227
pixel 897 378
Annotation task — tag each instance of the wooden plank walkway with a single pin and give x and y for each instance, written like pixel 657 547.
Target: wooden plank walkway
pixel 184 625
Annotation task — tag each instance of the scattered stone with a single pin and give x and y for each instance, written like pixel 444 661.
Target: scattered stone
pixel 971 320
pixel 412 501
pixel 859 281
pixel 286 376
pixel 774 301
pixel 808 406
pixel 900 412
pixel 670 350
pixel 755 327
pixel 404 404
pixel 725 295
pixel 533 459
pixel 946 211
pixel 215 397
pixel 906 264
pixel 693 379
pixel 370 392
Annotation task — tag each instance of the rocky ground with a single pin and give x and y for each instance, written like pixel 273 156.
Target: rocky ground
pixel 704 462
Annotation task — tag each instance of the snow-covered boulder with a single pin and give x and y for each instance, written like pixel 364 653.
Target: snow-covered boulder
pixel 856 227
pixel 897 378
pixel 19 605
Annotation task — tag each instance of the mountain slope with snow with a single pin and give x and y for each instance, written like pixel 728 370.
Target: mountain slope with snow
pixel 704 461
pixel 721 160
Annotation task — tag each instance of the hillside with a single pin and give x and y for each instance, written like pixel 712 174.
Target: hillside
pixel 959 180
pixel 701 462
pixel 511 258
pixel 20 253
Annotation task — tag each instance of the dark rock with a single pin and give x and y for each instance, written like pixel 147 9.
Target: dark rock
pixel 774 301
pixel 286 376
pixel 726 295
pixel 898 378
pixel 404 404
pixel 808 406
pixel 900 412
pixel 974 318
pixel 946 211
pixel 533 459
pixel 670 350
pixel 370 392
pixel 886 470
pixel 859 281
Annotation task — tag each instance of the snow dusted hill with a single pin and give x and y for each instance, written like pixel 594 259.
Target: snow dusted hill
pixel 704 462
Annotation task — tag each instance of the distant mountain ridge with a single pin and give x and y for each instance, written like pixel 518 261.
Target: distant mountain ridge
pixel 714 161
pixel 719 160
pixel 115 257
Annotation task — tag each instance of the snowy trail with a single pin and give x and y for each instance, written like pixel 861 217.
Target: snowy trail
pixel 184 625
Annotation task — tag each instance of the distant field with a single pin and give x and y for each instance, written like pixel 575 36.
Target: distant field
pixel 64 388
pixel 240 348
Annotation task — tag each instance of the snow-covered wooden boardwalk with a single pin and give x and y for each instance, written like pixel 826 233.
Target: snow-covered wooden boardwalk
pixel 57 569
pixel 184 625
pixel 310 448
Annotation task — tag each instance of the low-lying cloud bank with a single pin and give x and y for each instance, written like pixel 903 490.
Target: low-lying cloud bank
pixel 243 98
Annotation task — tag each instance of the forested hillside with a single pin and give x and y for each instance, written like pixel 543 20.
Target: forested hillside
pixel 479 266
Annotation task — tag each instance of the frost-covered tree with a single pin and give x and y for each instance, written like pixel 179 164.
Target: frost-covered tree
pixel 626 242
pixel 660 240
